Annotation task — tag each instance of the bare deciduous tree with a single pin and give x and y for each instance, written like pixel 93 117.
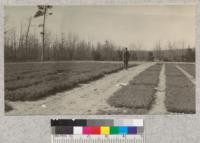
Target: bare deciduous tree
pixel 26 38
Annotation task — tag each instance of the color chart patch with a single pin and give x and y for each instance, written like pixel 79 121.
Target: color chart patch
pixel 97 130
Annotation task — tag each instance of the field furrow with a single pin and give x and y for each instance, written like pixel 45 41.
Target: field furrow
pixel 159 102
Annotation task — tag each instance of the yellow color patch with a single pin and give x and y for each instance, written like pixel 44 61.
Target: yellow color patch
pixel 105 130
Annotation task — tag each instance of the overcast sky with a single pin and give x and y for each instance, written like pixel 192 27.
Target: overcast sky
pixel 122 25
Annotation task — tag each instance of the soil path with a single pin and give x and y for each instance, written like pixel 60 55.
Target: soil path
pixel 159 105
pixel 86 99
pixel 189 76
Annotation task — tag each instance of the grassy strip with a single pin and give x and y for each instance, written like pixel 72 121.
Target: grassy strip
pixel 180 92
pixel 51 72
pixel 190 68
pixel 65 76
pixel 140 92
pixel 148 77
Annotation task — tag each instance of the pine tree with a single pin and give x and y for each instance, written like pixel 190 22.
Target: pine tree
pixel 43 10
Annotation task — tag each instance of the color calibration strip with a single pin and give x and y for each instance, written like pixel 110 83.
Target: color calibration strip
pixel 94 131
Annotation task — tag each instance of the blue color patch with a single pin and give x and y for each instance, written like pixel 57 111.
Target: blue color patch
pixel 123 130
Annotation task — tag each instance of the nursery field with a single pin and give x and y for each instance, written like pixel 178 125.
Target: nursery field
pixel 190 68
pixel 139 95
pixel 32 81
pixel 140 92
pixel 180 92
pixel 145 88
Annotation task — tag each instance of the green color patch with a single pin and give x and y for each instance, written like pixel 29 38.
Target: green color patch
pixel 114 130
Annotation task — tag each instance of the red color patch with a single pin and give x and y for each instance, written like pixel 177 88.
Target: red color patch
pixel 95 130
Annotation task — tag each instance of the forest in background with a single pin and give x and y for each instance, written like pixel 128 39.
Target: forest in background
pixel 27 46
pixel 68 48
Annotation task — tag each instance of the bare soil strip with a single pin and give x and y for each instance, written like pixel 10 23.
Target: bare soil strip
pixel 189 76
pixel 86 99
pixel 159 105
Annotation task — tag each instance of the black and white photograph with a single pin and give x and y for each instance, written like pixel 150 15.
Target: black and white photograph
pixel 99 60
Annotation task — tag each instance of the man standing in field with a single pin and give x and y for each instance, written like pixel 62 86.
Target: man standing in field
pixel 125 58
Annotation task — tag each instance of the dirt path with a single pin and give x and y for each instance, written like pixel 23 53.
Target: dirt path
pixel 159 105
pixel 86 99
pixel 190 77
